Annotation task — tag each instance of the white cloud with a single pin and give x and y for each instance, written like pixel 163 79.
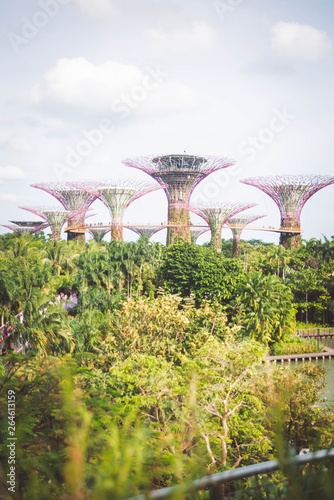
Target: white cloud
pixel 97 9
pixel 172 96
pixel 200 36
pixel 79 82
pixel 299 41
pixel 13 143
pixel 93 88
pixel 9 197
pixel 11 173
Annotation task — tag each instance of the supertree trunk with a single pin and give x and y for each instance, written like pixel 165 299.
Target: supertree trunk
pixel 117 230
pixel 216 240
pixel 181 216
pixel 290 240
pixel 236 242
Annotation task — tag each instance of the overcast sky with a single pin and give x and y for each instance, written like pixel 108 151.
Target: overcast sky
pixel 88 83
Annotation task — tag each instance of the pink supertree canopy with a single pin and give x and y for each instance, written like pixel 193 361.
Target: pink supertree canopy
pixel 55 218
pixel 146 231
pixel 99 233
pixel 25 228
pixel 70 197
pixel 117 195
pixel 237 224
pixel 216 214
pixel 178 174
pixel 28 223
pixel 195 233
pixel 290 193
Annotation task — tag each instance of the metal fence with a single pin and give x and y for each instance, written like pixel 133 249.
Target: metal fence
pixel 215 481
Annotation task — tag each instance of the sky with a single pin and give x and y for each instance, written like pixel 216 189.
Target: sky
pixel 86 84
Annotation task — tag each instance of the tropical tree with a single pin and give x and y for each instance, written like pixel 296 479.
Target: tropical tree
pixel 264 308
pixel 279 256
pixel 200 272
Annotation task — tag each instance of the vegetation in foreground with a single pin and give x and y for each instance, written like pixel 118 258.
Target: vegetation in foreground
pixel 155 377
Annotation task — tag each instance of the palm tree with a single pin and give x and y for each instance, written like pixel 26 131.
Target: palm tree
pixel 280 256
pixel 265 307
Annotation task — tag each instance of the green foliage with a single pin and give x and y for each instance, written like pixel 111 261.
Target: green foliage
pixel 263 308
pixel 292 399
pixel 192 270
pixel 67 447
pixel 293 345
pixel 163 327
pixel 143 392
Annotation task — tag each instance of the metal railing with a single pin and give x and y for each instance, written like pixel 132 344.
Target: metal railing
pixel 314 331
pixel 234 475
pixel 323 335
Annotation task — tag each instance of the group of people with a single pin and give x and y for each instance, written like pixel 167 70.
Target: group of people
pixel 70 299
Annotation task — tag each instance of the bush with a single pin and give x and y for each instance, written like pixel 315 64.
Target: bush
pixel 164 326
pixel 293 345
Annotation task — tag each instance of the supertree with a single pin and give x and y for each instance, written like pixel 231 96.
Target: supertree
pixel 28 223
pixel 290 193
pixel 98 233
pixel 215 214
pixel 178 174
pixel 117 195
pixel 146 231
pixel 26 227
pixel 196 232
pixel 54 217
pixel 72 199
pixel 237 224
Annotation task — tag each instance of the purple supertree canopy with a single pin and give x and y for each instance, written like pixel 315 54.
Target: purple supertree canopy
pixel 290 193
pixel 99 233
pixel 146 231
pixel 55 217
pixel 241 222
pixel 237 224
pixel 216 213
pixel 117 195
pixel 178 174
pixel 70 197
pixel 28 223
pixel 25 229
pixel 195 233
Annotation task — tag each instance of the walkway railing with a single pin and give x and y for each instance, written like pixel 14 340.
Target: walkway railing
pixel 210 482
pixel 323 335
pixel 306 332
